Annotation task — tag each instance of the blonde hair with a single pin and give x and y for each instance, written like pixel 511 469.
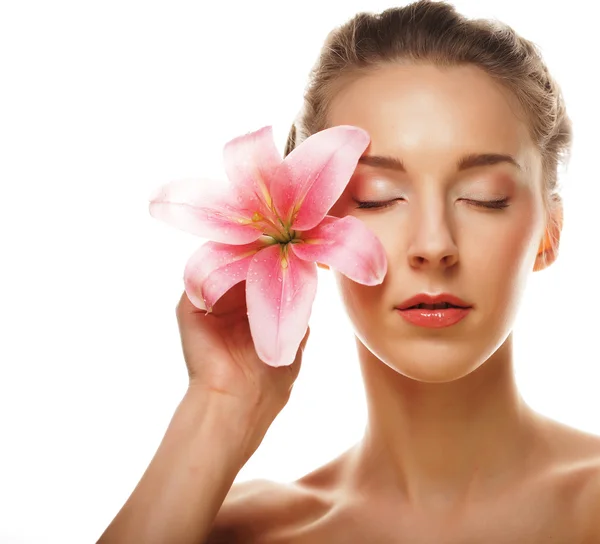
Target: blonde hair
pixel 434 32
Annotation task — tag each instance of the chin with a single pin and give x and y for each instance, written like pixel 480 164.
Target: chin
pixel 428 361
pixel 431 372
pixel 433 369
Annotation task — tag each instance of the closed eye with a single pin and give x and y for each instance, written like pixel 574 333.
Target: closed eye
pixel 491 204
pixel 374 203
pixel 497 204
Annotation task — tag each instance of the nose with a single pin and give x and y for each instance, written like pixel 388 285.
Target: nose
pixel 432 245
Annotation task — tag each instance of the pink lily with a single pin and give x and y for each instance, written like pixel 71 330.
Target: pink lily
pixel 271 227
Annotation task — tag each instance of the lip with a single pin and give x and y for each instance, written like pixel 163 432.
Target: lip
pixel 434 319
pixel 425 298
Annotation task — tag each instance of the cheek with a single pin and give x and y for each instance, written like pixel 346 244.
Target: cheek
pixel 360 301
pixel 505 246
pixel 498 262
pixel 497 253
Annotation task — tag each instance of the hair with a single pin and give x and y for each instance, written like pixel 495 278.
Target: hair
pixel 434 32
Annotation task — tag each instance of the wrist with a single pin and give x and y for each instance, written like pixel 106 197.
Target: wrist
pixel 236 426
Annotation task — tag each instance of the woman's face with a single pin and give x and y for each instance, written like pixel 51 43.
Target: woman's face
pixel 436 236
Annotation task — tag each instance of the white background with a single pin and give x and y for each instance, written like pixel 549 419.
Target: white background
pixel 101 103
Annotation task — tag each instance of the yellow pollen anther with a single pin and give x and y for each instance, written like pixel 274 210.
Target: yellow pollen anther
pixel 257 217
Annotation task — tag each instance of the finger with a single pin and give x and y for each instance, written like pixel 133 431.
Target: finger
pixel 305 339
pixel 185 306
pixel 294 368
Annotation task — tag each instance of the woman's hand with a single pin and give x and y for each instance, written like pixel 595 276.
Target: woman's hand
pixel 220 355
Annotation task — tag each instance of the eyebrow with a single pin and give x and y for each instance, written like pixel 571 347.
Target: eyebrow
pixel 472 160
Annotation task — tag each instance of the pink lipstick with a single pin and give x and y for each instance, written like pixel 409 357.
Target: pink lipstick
pixel 434 311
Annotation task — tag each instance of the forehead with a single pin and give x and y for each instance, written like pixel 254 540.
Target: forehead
pixel 424 109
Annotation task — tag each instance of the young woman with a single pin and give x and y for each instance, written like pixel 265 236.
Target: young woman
pixel 460 184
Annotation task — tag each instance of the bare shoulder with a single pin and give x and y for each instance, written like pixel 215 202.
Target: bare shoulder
pixel 245 501
pixel 586 475
pixel 260 511
pixel 590 507
pixel 577 474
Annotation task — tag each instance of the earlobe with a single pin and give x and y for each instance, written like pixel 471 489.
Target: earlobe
pixel 544 259
pixel 548 250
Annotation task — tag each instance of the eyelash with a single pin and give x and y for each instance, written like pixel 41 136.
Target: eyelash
pixel 498 204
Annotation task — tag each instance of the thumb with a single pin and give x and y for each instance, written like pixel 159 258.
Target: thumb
pixel 294 368
pixel 305 339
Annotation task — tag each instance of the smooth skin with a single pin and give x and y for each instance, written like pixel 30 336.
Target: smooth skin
pixel 451 453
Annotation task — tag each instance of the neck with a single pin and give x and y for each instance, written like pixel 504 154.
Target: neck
pixel 437 445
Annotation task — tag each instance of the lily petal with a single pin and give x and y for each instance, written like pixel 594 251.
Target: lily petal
pixel 280 290
pixel 214 268
pixel 346 245
pixel 313 176
pixel 251 161
pixel 195 206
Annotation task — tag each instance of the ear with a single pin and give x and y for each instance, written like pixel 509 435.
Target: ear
pixel 323 266
pixel 548 250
